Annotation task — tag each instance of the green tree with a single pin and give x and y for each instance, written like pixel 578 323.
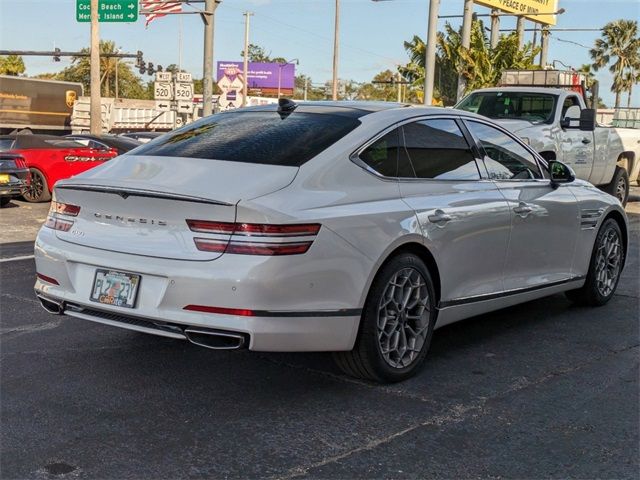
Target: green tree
pixel 619 48
pixel 256 53
pixel 129 84
pixel 12 65
pixel 481 65
pixel 375 90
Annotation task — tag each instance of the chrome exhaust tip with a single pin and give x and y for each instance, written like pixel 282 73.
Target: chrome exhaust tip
pixel 51 305
pixel 215 340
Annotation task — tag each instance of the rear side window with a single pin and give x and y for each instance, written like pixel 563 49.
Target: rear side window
pixel 382 155
pixel 264 137
pixel 437 149
pixel 6 144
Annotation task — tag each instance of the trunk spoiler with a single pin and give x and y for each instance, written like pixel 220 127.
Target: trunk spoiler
pixel 137 192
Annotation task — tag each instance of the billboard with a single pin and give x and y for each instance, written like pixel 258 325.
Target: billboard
pixel 263 77
pixel 526 8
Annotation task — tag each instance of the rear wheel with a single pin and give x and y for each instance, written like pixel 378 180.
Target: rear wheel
pixel 4 201
pixel 605 267
pixel 396 325
pixel 38 189
pixel 619 186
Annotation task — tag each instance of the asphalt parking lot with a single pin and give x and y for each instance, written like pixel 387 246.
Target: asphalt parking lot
pixel 541 390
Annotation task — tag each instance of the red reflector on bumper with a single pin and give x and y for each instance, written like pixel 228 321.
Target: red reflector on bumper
pixel 242 312
pixel 44 278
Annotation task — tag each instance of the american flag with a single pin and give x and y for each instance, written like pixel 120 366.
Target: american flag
pixel 159 8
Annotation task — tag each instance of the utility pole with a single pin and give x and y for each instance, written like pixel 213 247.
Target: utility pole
pixel 495 27
pixel 520 31
pixel 336 36
pixel 544 43
pixel 208 17
pixel 399 81
pixel 467 19
pixel 95 111
pixel 306 87
pixel 430 51
pixel 245 64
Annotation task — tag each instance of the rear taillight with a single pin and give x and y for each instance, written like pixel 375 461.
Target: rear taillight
pixel 271 242
pixel 66 209
pixel 20 163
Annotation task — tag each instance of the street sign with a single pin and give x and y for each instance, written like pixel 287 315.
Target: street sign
pixel 163 76
pixel 184 106
pixel 108 10
pixel 163 106
pixel 162 91
pixel 183 91
pixel 183 77
pixel 535 10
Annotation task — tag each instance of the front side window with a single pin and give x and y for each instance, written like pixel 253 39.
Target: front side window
pixel 382 155
pixel 437 149
pixel 260 137
pixel 6 144
pixel 505 158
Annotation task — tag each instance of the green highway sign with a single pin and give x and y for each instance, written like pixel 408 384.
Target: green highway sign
pixel 108 10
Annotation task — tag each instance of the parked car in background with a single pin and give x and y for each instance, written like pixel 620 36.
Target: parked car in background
pixel 143 137
pixel 350 227
pixel 51 158
pixel 106 142
pixel 14 176
pixel 559 126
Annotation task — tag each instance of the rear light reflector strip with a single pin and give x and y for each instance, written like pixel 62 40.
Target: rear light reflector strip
pixel 241 312
pixel 58 224
pixel 254 229
pixel 44 278
pixel 251 248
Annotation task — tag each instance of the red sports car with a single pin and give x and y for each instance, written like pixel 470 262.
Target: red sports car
pixel 50 159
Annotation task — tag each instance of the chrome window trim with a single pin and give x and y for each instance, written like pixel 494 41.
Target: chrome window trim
pixel 355 155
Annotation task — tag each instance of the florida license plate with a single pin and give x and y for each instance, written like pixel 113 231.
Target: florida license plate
pixel 115 288
pixel 4 178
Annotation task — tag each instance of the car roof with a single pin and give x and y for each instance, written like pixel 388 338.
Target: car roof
pixel 347 108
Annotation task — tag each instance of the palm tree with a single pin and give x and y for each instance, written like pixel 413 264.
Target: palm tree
pixel 620 47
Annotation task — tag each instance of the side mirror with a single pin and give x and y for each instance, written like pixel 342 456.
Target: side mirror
pixel 571 117
pixel 588 119
pixel 560 173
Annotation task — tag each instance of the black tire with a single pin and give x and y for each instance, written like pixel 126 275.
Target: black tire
pixel 4 201
pixel 367 360
pixel 590 294
pixel 38 189
pixel 619 186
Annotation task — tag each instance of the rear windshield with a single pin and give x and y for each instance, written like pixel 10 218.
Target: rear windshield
pixel 534 107
pixel 264 137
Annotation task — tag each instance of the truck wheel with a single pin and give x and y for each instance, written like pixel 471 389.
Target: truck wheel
pixel 396 324
pixel 38 190
pixel 619 186
pixel 605 267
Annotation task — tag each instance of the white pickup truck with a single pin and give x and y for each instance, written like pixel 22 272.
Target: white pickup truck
pixel 558 125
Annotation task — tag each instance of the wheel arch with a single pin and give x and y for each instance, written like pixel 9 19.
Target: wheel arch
pixel 627 160
pixel 548 155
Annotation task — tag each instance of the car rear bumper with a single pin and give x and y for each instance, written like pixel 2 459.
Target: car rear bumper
pixel 18 179
pixel 324 320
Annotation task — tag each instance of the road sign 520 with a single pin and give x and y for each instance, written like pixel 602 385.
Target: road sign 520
pixel 162 91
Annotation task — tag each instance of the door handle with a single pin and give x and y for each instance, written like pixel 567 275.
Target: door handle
pixel 586 141
pixel 439 217
pixel 523 209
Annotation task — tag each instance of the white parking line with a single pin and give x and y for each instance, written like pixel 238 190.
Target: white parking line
pixel 15 259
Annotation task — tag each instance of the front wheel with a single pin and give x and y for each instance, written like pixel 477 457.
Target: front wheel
pixel 397 323
pixel 38 189
pixel 605 267
pixel 619 186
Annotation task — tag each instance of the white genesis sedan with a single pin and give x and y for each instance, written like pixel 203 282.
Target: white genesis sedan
pixel 349 227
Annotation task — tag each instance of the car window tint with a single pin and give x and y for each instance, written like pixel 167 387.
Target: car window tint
pixel 262 137
pixel 505 158
pixel 437 149
pixel 382 155
pixel 6 144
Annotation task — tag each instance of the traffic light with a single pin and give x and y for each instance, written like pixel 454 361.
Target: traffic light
pixel 142 68
pixel 56 54
pixel 159 68
pixel 139 60
pixel 150 69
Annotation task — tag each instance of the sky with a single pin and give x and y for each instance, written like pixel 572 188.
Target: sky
pixel 371 39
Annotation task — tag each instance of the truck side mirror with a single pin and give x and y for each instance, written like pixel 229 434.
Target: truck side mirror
pixel 571 117
pixel 588 119
pixel 560 173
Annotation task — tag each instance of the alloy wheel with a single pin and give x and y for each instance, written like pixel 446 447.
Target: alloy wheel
pixel 35 189
pixel 403 318
pixel 608 262
pixel 621 189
